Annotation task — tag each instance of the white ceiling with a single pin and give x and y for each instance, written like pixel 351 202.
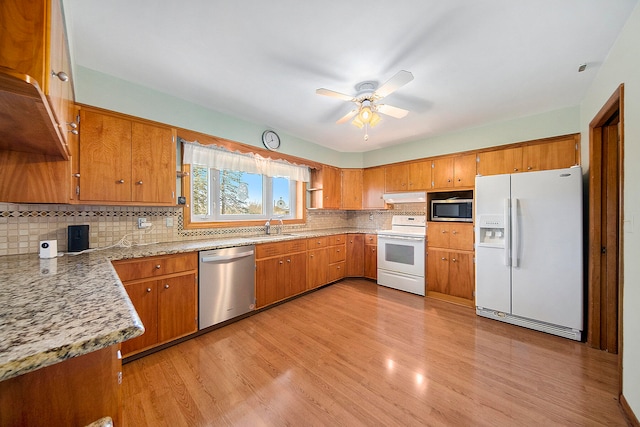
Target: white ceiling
pixel 474 62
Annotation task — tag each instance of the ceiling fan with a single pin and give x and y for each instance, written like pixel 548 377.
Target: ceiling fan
pixel 366 100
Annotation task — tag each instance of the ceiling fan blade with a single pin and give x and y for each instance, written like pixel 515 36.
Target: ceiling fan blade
pixel 348 116
pixel 334 94
pixel 394 83
pixel 389 110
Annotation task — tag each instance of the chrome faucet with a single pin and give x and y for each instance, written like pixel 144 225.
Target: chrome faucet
pixel 281 224
pixel 267 226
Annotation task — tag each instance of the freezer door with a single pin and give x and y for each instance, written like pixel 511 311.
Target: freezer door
pixel 493 273
pixel 547 254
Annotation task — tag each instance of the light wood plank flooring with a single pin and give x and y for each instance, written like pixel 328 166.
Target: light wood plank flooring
pixel 357 354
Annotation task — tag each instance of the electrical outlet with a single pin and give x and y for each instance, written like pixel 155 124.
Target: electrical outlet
pixel 169 221
pixel 142 223
pixel 370 217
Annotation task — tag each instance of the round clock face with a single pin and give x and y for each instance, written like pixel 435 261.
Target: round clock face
pixel 271 140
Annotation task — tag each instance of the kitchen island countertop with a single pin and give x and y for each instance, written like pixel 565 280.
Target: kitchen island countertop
pixel 55 309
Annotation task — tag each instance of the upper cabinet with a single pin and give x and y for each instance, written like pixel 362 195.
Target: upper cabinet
pixel 453 172
pixel 36 93
pixel 553 153
pixel 352 189
pixel 373 188
pixel 325 188
pixel 125 161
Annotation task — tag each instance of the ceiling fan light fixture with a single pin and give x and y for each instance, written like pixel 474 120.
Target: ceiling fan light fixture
pixel 365 114
pixel 357 122
pixel 375 119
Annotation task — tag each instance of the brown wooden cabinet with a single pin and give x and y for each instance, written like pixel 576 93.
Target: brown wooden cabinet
pixel 325 188
pixel 164 291
pixel 36 90
pixel 453 172
pixel 337 251
pixel 125 161
pixel 450 269
pixel 75 392
pixel 355 255
pixel 317 261
pixel 371 256
pixel 396 177
pixel 373 188
pixel 352 188
pixel 281 270
pixel 419 176
pixel 552 153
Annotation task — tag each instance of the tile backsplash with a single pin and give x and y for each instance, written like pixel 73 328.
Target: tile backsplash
pixel 23 226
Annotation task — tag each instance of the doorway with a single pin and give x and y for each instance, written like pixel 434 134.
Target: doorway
pixel 606 143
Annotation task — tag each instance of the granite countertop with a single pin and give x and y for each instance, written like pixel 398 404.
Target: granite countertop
pixel 52 310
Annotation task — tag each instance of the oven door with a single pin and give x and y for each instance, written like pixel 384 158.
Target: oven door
pixel 402 254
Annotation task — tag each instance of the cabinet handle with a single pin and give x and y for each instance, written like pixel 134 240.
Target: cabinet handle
pixel 374 249
pixel 121 181
pixel 311 256
pixel 454 232
pixel 453 259
pixel 158 267
pixel 280 262
pixel 75 175
pixel 166 286
pixel 338 267
pixel 288 260
pixel 515 169
pixel 443 259
pixel 449 180
pixel 61 75
pixel 139 182
pixel 529 168
pixel 338 251
pixel 148 289
pixel 444 231
pixel 73 131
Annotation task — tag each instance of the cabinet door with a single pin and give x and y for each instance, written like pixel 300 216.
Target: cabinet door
pixel 437 271
pixel 296 282
pixel 177 307
pixel 317 263
pixel 461 282
pixel 355 255
pixel 336 271
pixel 419 176
pixel 267 279
pixel 371 262
pixel 460 236
pixel 144 296
pixel 552 155
pixel 500 161
pixel 153 164
pixel 442 172
pixel 352 186
pixel 331 191
pixel 464 170
pixel 373 188
pixel 438 234
pixel 105 157
pixel 396 177
pixel 337 253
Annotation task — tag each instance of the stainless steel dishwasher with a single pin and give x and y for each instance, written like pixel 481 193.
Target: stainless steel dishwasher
pixel 226 284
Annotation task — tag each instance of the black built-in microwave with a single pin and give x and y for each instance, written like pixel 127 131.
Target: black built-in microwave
pixel 452 210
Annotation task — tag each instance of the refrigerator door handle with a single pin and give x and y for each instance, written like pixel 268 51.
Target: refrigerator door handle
pixel 516 233
pixel 507 233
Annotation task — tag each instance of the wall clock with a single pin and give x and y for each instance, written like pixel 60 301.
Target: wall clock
pixel 271 140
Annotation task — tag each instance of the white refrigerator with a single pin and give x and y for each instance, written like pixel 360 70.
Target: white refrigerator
pixel 529 251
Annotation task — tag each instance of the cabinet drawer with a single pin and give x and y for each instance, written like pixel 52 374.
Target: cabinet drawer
pixel 370 239
pixel 317 242
pixel 337 253
pixel 337 239
pixel 336 271
pixel 155 266
pixel 267 250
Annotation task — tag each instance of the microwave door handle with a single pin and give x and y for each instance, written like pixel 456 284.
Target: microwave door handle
pixel 507 232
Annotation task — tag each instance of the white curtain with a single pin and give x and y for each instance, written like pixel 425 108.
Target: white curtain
pixel 220 158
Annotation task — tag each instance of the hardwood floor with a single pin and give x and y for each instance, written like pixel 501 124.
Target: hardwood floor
pixel 356 354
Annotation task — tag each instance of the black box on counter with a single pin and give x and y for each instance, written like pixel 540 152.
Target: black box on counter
pixel 77 238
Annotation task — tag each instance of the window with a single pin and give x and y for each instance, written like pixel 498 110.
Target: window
pixel 229 195
pixel 228 186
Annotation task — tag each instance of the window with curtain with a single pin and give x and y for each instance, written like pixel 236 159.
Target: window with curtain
pixel 230 186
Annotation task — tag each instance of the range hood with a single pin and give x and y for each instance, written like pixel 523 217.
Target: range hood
pixel 413 197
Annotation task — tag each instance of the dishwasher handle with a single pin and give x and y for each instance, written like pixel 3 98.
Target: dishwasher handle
pixel 215 258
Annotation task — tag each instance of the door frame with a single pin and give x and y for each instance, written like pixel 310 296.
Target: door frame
pixel 613 106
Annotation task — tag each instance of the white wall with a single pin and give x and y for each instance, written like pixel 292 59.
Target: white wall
pixel 623 66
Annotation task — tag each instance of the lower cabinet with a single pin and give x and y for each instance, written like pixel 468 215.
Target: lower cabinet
pixel 75 392
pixel 317 261
pixel 371 256
pixel 164 292
pixel 355 255
pixel 337 258
pixel 281 270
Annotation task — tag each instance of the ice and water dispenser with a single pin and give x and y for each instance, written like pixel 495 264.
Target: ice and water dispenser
pixel 492 231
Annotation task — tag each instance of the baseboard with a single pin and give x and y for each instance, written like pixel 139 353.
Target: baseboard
pixel 631 417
